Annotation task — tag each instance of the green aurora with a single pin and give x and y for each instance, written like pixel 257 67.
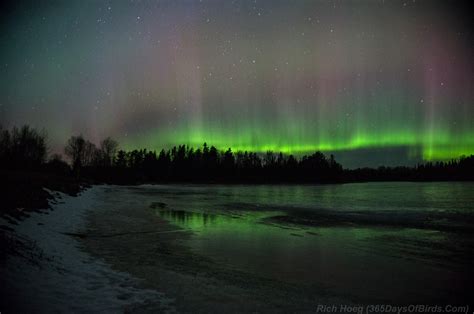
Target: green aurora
pixel 440 143
pixel 431 147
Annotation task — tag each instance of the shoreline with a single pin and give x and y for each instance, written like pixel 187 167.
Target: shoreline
pixel 54 272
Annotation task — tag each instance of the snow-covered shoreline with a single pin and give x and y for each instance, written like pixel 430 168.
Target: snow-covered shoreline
pixel 57 275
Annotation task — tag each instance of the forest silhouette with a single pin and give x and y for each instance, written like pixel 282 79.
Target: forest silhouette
pixel 26 149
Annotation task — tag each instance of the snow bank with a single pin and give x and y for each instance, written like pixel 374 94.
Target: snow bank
pixel 58 276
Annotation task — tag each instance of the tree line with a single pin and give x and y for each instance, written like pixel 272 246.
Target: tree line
pixel 26 148
pixel 184 163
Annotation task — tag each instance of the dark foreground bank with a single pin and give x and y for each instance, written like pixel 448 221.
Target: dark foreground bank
pixel 24 192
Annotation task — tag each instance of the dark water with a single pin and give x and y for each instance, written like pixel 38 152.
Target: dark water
pixel 375 242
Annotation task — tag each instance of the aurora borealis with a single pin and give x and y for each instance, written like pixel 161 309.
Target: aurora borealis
pixel 391 77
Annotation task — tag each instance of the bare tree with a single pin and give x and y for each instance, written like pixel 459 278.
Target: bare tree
pixel 24 147
pixel 75 150
pixel 92 155
pixel 82 153
pixel 108 150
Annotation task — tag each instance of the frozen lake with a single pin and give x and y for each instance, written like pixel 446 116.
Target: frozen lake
pixel 238 248
pixel 383 242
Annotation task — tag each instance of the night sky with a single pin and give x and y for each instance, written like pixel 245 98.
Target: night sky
pixel 374 82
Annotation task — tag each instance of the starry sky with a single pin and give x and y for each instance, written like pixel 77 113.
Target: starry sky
pixel 374 82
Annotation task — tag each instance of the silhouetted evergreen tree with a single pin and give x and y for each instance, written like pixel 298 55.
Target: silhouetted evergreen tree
pixel 121 161
pixel 228 164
